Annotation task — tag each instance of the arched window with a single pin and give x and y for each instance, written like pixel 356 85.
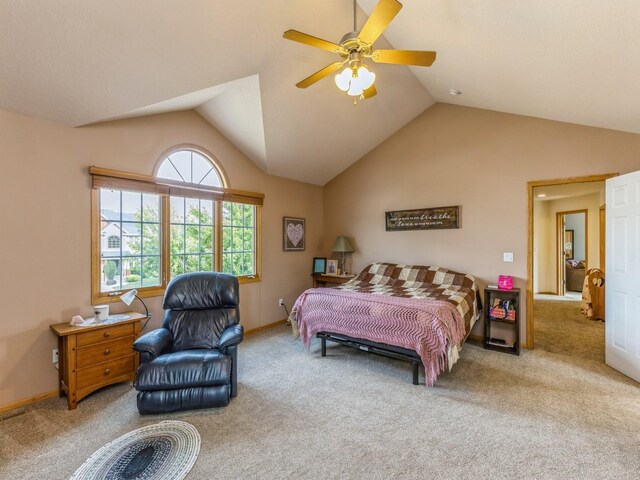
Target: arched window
pixel 184 218
pixel 113 241
pixel 190 166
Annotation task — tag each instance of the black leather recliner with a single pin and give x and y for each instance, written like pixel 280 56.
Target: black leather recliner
pixel 192 361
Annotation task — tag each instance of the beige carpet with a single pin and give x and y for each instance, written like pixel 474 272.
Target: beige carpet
pixel 561 328
pixel 354 415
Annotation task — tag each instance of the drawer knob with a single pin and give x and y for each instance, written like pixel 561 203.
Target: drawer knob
pixel 107 371
pixel 107 351
pixel 107 333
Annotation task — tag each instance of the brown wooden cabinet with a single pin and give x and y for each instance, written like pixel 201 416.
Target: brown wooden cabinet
pixel 330 280
pixel 94 357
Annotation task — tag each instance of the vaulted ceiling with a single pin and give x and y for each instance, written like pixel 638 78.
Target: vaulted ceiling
pixel 85 62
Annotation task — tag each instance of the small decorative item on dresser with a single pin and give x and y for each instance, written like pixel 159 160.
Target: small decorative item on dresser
pixel 319 266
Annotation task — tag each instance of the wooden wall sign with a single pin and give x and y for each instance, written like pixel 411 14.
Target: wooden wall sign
pixel 423 219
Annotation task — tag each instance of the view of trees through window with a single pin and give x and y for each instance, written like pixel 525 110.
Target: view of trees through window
pixel 130 240
pixel 132 226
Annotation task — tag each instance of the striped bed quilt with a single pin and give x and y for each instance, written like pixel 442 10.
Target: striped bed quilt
pixel 426 309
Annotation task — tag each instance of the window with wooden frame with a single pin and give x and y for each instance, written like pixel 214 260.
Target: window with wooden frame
pixel 184 218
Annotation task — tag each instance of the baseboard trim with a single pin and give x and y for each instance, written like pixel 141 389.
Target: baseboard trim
pixel 477 338
pixel 546 293
pixel 28 401
pixel 265 327
pixel 46 395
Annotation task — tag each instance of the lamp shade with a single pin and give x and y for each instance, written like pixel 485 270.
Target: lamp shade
pixel 342 245
pixel 129 296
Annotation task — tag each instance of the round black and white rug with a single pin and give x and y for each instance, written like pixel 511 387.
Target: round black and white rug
pixel 166 450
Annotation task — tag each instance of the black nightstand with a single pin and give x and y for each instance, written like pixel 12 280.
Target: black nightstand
pixel 502 320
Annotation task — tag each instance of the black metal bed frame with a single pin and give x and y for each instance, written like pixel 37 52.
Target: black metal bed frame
pixel 372 347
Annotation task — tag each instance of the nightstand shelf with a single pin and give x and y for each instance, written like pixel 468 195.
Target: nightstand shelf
pixel 500 305
pixel 330 280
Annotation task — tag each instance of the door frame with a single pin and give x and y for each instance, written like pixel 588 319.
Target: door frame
pixel 561 287
pixel 530 186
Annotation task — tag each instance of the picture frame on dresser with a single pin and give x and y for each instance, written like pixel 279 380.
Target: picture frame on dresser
pixel 319 266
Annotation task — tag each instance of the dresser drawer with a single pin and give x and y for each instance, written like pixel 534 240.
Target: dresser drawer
pixel 103 352
pixel 104 334
pixel 105 372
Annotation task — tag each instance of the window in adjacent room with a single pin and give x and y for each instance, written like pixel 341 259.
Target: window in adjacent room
pixel 184 219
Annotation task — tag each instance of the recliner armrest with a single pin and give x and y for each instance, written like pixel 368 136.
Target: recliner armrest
pixel 231 336
pixel 153 344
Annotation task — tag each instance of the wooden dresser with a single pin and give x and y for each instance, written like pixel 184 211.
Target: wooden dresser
pixel 93 357
pixel 325 280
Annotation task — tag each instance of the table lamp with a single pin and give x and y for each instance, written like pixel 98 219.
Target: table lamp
pixel 128 298
pixel 342 245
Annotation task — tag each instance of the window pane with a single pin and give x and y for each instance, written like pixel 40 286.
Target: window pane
pixel 206 263
pixel 150 208
pixel 167 170
pixel 131 207
pixel 131 238
pixel 177 210
pixel 177 265
pixel 192 210
pixel 131 274
pixel 206 212
pixel 182 162
pixel 110 275
pixel 109 205
pixel 237 263
pixel 192 239
pixel 151 239
pixel 248 240
pixel 226 239
pixel 226 213
pixel 247 268
pixel 201 167
pixel 237 240
pixel 177 239
pixel 206 239
pixel 192 263
pixel 226 263
pixel 237 214
pixel 150 271
pixel 248 215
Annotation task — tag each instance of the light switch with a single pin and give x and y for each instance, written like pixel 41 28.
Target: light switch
pixel 508 256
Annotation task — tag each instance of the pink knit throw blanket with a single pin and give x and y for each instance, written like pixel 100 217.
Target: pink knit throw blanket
pixel 425 326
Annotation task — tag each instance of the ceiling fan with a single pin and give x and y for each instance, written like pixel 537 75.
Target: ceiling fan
pixel 354 47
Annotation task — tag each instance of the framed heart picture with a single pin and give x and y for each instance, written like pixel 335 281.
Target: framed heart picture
pixel 293 234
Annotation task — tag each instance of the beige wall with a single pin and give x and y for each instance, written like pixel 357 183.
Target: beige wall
pixel 542 248
pixel 545 239
pixel 479 159
pixel 45 229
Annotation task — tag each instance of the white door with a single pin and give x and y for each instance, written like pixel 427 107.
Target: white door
pixel 622 277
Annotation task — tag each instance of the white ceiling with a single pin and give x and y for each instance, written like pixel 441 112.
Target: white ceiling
pixel 556 192
pixel 81 62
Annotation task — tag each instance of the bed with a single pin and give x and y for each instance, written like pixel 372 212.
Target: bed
pixel 421 314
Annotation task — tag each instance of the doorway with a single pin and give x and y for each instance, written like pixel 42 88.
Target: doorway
pixel 547 278
pixel 572 250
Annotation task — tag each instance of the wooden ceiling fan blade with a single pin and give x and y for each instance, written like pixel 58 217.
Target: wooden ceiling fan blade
pixel 370 92
pixel 404 57
pixel 380 18
pixel 312 41
pixel 319 75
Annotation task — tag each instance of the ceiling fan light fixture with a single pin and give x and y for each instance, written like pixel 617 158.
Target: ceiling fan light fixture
pixel 343 79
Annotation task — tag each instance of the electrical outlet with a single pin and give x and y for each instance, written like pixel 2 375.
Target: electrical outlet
pixel 54 355
pixel 507 256
pixel 280 302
